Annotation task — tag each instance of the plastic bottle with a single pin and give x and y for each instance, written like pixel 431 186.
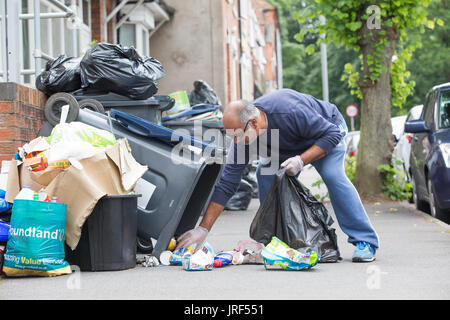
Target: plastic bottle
pixel 223 258
pixel 172 244
pixel 25 194
pixel 36 196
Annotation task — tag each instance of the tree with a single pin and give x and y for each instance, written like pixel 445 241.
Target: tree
pixel 430 64
pixel 302 72
pixel 377 30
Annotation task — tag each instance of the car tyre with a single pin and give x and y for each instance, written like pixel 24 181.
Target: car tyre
pixel 435 211
pixel 420 205
pixel 143 245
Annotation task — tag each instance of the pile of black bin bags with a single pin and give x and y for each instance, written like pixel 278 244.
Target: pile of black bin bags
pixel 130 75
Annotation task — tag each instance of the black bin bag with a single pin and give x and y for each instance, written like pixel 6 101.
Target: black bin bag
pixel 62 74
pixel 113 68
pixel 203 93
pixel 290 212
pixel 241 199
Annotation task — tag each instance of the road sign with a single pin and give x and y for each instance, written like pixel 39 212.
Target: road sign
pixel 351 111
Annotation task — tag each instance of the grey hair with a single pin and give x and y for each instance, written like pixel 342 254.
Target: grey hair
pixel 248 112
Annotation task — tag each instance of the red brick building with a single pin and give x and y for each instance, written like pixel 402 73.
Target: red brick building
pixel 234 45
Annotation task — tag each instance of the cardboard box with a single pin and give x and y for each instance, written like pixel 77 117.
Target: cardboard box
pixel 110 172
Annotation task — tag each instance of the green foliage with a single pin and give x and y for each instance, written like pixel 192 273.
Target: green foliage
pixel 323 198
pixel 350 168
pixel 353 24
pixel 394 185
pixel 302 72
pixel 430 64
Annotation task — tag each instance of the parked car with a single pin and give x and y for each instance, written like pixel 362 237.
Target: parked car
pixel 398 126
pixel 352 137
pixel 402 149
pixel 430 153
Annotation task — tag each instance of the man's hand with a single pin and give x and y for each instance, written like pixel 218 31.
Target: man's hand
pixel 192 237
pixel 293 165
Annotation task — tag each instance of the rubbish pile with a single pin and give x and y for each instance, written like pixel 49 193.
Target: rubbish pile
pixel 205 259
pixel 54 184
pixel 74 195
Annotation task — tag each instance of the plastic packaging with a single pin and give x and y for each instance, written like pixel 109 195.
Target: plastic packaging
pixel 60 75
pixel 25 194
pixel 202 260
pixel 223 258
pixel 150 261
pixel 75 132
pixel 291 213
pixel 181 103
pixel 111 67
pixel 4 205
pixel 278 254
pixel 247 257
pixel 175 258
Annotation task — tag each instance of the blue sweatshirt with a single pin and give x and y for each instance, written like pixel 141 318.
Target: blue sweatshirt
pixel 302 121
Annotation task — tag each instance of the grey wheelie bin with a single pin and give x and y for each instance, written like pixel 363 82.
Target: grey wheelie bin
pixel 174 195
pixel 149 109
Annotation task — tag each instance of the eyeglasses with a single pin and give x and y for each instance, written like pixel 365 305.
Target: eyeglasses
pixel 238 133
pixel 246 125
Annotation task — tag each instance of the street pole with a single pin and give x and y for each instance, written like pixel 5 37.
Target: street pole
pixel 323 59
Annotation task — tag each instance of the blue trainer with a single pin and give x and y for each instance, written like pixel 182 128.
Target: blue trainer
pixel 364 252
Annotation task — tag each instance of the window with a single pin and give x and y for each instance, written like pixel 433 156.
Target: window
pixel 429 110
pixel 444 110
pixel 136 35
pixel 127 35
pixel 58 35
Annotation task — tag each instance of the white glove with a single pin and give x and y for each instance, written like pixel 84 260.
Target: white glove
pixel 192 237
pixel 293 165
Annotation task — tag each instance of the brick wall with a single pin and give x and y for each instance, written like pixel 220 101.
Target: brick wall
pixel 98 18
pixel 21 117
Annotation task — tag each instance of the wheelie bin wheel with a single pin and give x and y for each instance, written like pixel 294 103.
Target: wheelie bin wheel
pixel 144 245
pixel 52 109
pixel 92 104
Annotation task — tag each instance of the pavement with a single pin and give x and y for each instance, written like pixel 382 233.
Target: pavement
pixel 412 263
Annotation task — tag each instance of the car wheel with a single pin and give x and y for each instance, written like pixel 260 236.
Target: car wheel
pixel 144 246
pixel 435 211
pixel 420 205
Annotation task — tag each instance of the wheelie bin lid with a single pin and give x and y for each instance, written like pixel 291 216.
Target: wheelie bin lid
pixel 197 109
pixel 145 128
